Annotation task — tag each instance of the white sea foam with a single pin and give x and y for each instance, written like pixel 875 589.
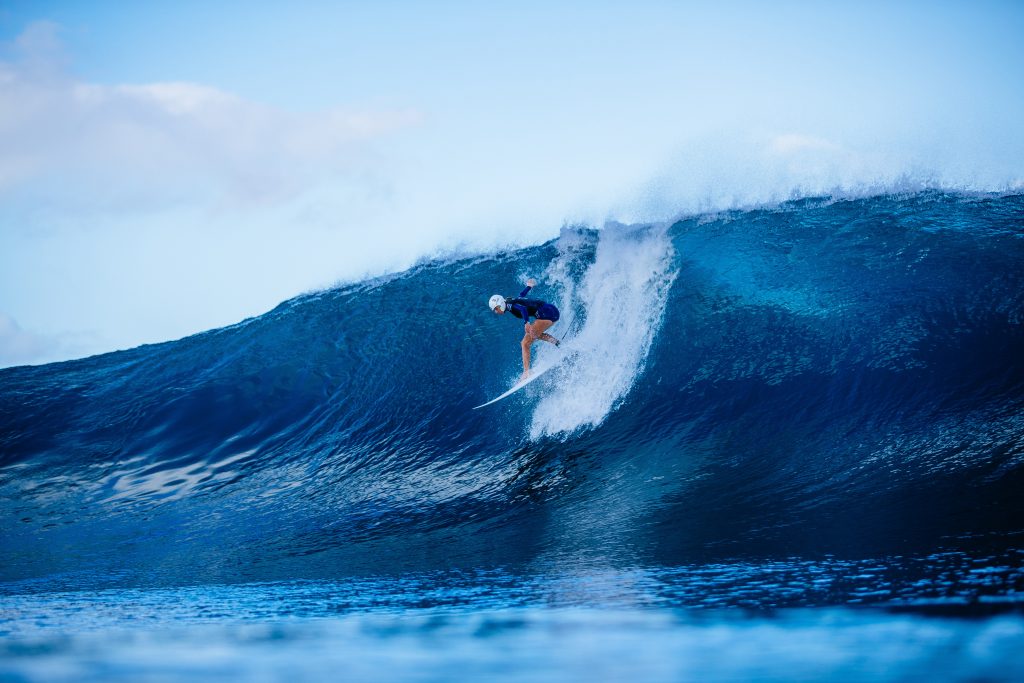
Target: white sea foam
pixel 620 300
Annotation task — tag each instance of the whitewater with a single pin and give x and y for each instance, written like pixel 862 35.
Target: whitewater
pixel 797 423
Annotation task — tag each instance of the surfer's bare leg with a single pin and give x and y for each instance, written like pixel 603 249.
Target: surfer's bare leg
pixel 538 331
pixel 525 344
pixel 535 331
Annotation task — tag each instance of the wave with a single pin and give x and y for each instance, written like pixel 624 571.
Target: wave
pixel 826 375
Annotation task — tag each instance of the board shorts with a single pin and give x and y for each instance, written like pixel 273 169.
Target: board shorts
pixel 548 312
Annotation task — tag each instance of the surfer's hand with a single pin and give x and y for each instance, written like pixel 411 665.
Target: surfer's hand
pixel 530 282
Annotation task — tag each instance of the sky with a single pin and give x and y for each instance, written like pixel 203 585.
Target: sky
pixel 170 167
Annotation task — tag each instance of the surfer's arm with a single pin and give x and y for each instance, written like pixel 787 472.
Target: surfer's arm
pixel 530 283
pixel 523 311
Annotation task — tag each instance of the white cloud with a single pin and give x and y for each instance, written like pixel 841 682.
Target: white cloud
pixel 809 161
pixel 18 347
pixel 159 143
pixel 150 211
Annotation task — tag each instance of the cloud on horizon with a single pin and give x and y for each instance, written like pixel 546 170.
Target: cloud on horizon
pixel 90 146
pixel 20 347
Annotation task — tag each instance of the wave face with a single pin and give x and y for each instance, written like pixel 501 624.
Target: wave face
pixel 822 377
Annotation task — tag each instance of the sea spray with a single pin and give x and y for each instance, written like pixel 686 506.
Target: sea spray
pixel 620 301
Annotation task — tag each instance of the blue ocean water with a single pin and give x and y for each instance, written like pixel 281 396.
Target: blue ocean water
pixel 787 445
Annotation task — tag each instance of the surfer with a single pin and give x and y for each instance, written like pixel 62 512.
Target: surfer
pixel 545 315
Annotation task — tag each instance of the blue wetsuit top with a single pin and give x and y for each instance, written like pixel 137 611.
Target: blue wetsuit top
pixel 524 309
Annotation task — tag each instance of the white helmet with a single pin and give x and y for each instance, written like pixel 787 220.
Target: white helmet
pixel 497 301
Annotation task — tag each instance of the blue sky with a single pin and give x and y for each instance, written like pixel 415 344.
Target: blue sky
pixel 170 167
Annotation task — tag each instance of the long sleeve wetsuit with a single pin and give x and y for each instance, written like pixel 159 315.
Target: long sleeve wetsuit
pixel 524 308
pixel 519 307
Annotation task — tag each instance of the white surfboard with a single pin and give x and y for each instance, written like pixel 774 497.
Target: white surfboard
pixel 534 374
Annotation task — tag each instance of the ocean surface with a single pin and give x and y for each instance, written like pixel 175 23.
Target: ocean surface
pixel 783 443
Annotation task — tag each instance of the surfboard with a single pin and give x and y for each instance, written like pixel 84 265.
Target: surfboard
pixel 534 374
pixel 517 386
